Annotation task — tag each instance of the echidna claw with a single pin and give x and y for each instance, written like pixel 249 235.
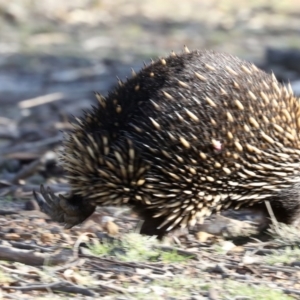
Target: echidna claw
pixel 49 204
pixel 61 209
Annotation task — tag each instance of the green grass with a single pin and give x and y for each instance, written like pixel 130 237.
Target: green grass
pixel 137 248
pixel 4 278
pixel 101 249
pixel 7 198
pixel 253 292
pixel 173 257
pixel 177 287
pixel 286 256
pixel 183 287
pixel 285 235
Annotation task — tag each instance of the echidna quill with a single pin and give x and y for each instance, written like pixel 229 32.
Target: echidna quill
pixel 189 135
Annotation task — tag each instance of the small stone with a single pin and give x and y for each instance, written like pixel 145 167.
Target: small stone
pixel 26 236
pixel 111 228
pixel 227 245
pixel 47 237
pixel 238 249
pixel 12 165
pixel 203 236
pixel 12 236
pixel 55 229
pixel 213 294
pixel 90 226
pixel 249 260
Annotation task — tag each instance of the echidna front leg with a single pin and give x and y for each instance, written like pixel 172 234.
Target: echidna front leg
pixel 68 210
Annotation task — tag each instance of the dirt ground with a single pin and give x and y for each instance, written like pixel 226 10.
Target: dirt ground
pixel 53 56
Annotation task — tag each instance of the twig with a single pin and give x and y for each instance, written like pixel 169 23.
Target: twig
pixel 127 264
pixel 26 171
pixel 66 287
pixel 272 216
pixel 54 187
pixel 22 155
pixel 68 265
pixel 33 145
pixel 177 250
pixel 284 269
pixel 18 272
pixel 25 246
pixel 111 288
pixel 4 212
pixel 41 100
pixel 32 258
pixel 9 134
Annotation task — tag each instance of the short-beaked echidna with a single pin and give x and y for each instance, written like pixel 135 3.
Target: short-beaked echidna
pixel 187 136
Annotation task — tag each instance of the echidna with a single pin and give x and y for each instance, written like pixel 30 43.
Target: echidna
pixel 189 135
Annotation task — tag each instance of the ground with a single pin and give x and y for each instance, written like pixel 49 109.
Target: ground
pixel 53 55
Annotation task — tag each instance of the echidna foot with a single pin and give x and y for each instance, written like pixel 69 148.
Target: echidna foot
pixel 61 209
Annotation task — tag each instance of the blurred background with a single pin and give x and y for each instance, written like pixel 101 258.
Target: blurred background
pixel 55 54
pixel 75 46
